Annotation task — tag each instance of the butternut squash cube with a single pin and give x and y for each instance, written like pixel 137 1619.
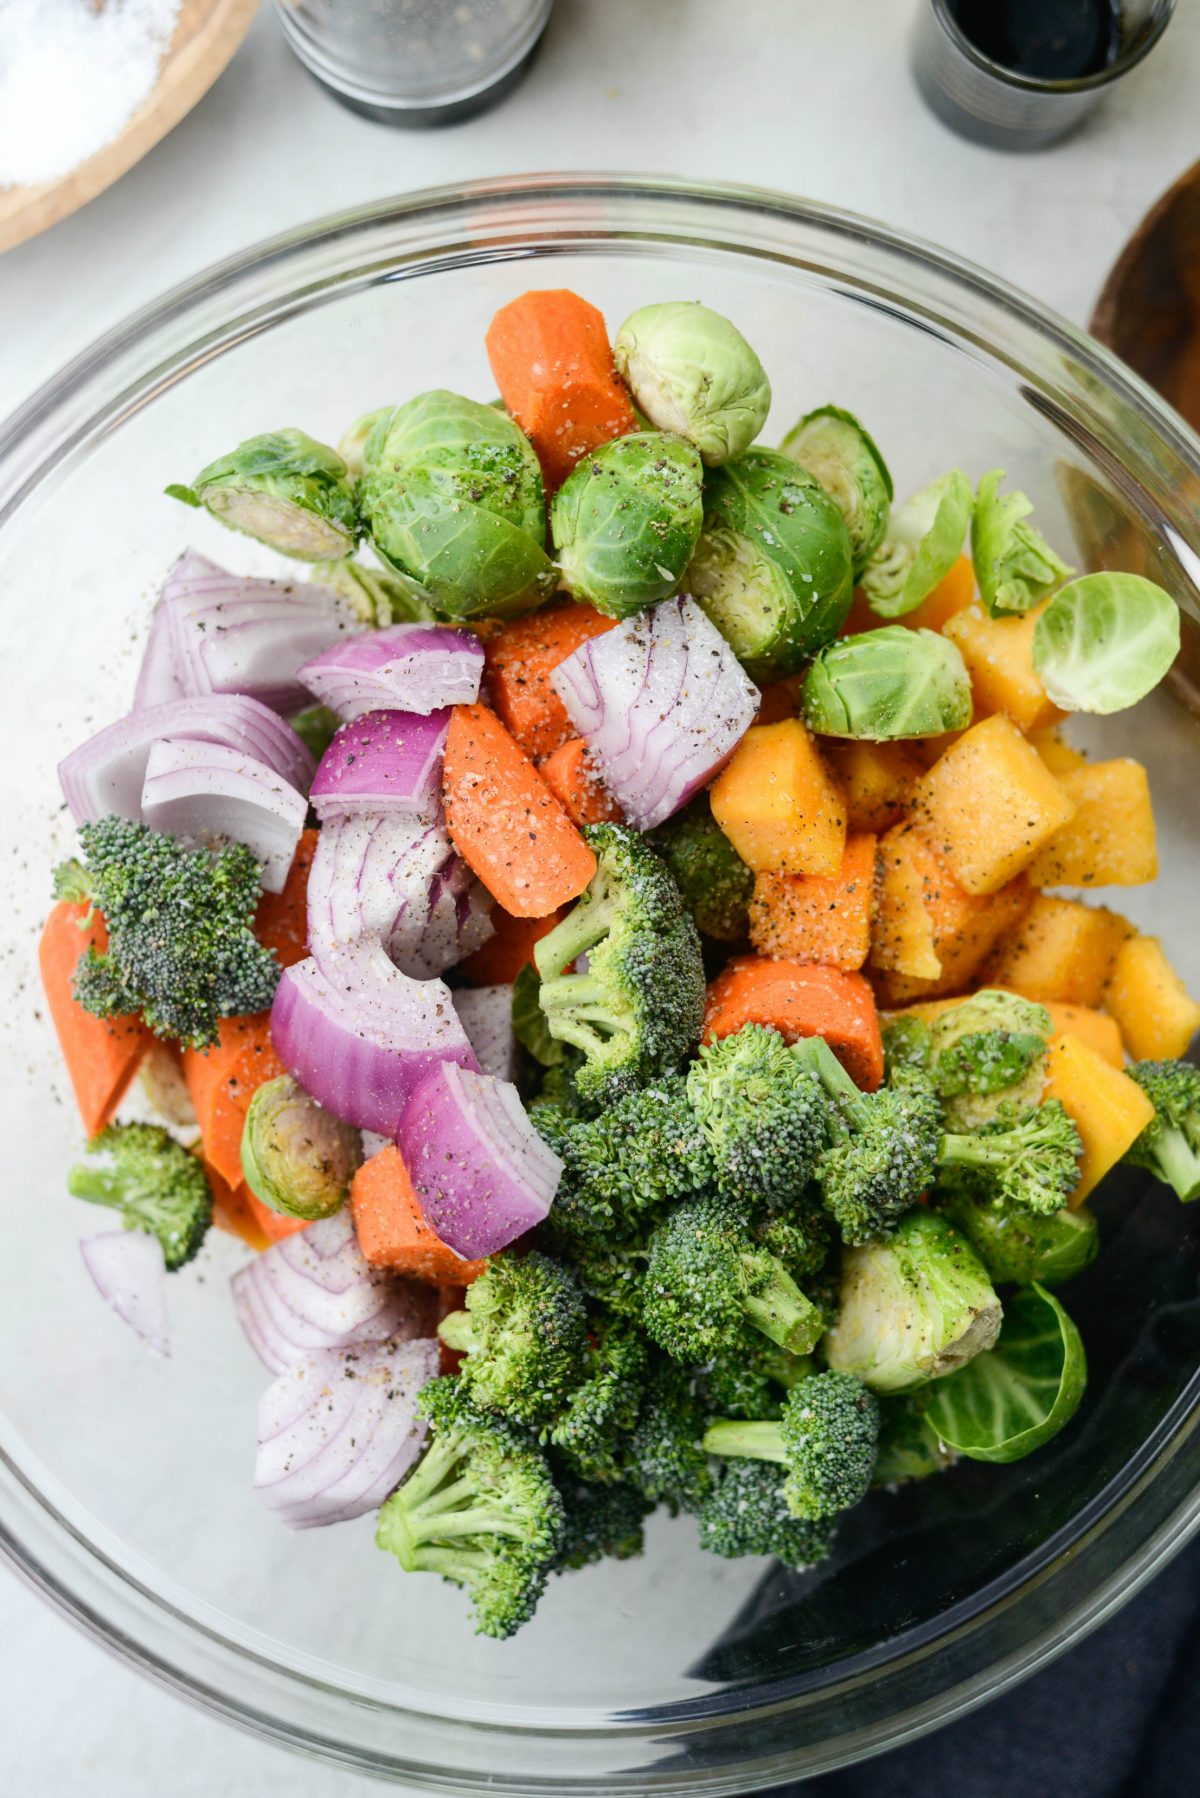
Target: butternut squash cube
pixel 929 935
pixel 1154 1010
pixel 779 805
pixel 1061 949
pixel 1109 1110
pixel 952 594
pixel 999 657
pixel 1110 841
pixel 1056 752
pixel 812 918
pixel 989 804
pixel 876 779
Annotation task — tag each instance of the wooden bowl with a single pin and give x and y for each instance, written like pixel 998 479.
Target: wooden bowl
pixel 206 35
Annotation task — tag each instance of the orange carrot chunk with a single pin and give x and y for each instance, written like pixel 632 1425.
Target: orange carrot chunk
pixel 522 656
pixel 232 1211
pixel 553 364
pixel 503 956
pixel 221 1082
pixel 798 1000
pixel 393 1231
pixel 281 922
pixel 102 1054
pixel 505 822
pixel 575 783
pixel 275 1225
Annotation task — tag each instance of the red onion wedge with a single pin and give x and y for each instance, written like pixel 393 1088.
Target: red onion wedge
pixel 209 793
pixel 406 667
pixel 485 1013
pixel 106 774
pixel 315 1290
pixel 362 1036
pixel 234 634
pixel 395 881
pixel 338 1432
pixel 159 679
pixel 129 1273
pixel 663 702
pixel 383 762
pixel 481 1171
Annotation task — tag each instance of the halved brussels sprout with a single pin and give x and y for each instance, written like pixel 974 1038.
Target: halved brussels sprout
pixel 888 683
pixel 923 541
pixel 1019 1247
pixel 833 446
pixel 285 489
pixel 1014 565
pixel 692 372
pixel 773 567
pixel 1105 641
pixel 379 596
pixel 626 520
pixel 988 1054
pixel 353 446
pixel 297 1157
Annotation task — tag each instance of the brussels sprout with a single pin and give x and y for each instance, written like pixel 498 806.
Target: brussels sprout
pixel 297 1158
pixel 888 683
pixel 908 1444
pixel 1018 1246
pixel 1021 1392
pixel 286 490
pixel 922 543
pixel 834 448
pixel 353 446
pixel 1105 641
pixel 913 1307
pixel 772 568
pixel 1014 565
pixel 626 520
pixel 379 596
pixel 986 1054
pixel 452 496
pixel 693 372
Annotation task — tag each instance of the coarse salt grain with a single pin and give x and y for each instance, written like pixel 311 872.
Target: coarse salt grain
pixel 72 75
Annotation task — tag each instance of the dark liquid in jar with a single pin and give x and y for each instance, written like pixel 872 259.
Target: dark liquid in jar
pixel 1049 40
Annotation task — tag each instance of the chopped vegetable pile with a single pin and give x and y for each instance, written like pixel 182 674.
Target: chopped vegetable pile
pixel 605 951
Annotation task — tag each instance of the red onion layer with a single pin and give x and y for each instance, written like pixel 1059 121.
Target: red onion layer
pixel 383 762
pixel 405 667
pixel 129 1273
pixel 485 1013
pixel 210 794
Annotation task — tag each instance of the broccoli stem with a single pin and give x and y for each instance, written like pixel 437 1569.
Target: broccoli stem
pixel 752 1441
pixel 98 1185
pixel 1177 1162
pixel 814 1053
pixel 585 925
pixel 778 1308
pixel 457 1332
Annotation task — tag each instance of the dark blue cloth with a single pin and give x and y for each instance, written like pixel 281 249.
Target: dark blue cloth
pixel 1117 1717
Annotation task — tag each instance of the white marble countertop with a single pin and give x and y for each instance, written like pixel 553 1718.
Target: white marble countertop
pixel 815 99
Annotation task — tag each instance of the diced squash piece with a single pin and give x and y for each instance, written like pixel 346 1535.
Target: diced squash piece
pixel 999 657
pixel 1091 1027
pixel 1156 1014
pixel 953 593
pixel 930 936
pixel 779 805
pixel 392 1229
pixel 1059 755
pixel 876 779
pixel 813 918
pixel 1061 949
pixel 1110 841
pixel 989 804
pixel 1109 1110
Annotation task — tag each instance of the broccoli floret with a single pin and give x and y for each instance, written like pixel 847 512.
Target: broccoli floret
pixel 181 947
pixel 592 1432
pixel 523 1333
pixel 800 1238
pixel 746 1513
pixel 713 880
pixel 1170 1146
pixel 479 1508
pixel 748 1377
pixel 907 1043
pixel 706 1278
pixel 642 1153
pixel 637 1010
pixel 667 1462
pixel 154 1182
pixel 764 1115
pixel 554 1089
pixel 603 1522
pixel 826 1437
pixel 1027 1159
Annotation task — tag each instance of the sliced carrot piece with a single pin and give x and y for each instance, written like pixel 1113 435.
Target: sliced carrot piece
pixel 575 783
pixel 101 1054
pixel 799 1000
pixel 505 822
pixel 522 656
pixel 223 1080
pixel 273 1224
pixel 553 364
pixel 232 1210
pixel 503 956
pixel 392 1228
pixel 281 922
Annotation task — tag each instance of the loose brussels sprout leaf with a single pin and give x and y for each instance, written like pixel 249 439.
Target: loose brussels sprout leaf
pixel 284 489
pixel 378 596
pixel 922 543
pixel 626 520
pixel 529 1020
pixel 1018 1247
pixel 1105 641
pixel 691 371
pixel 1021 1392
pixel 353 446
pixel 908 1444
pixel 888 683
pixel 297 1158
pixel 772 568
pixel 1014 565
pixel 913 1307
pixel 833 446
pixel 316 726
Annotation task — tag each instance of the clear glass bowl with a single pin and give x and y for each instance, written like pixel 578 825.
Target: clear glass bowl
pixel 124 1484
